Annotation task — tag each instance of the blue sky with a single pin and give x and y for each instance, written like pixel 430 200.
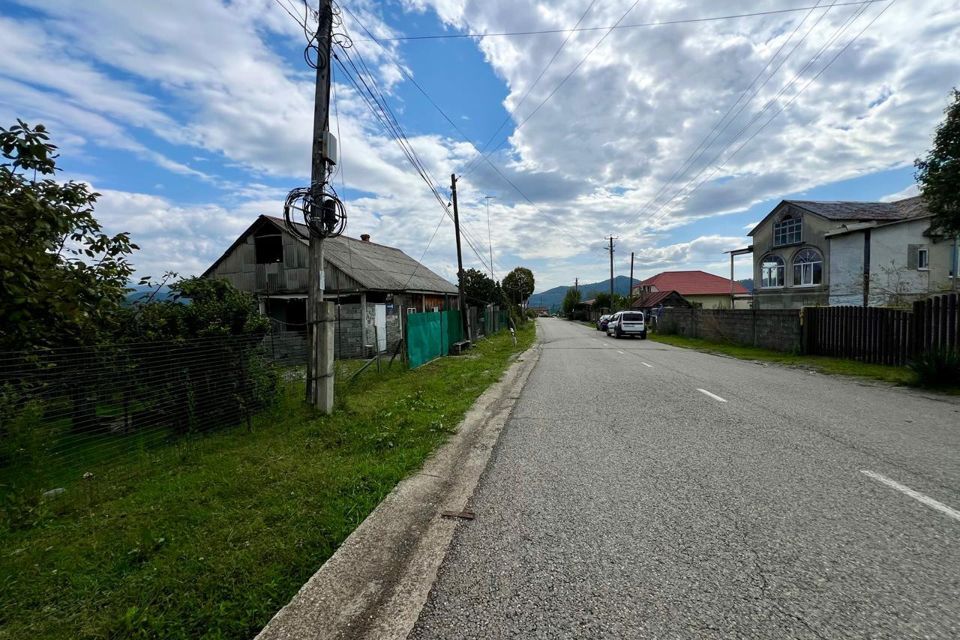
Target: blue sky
pixel 193 116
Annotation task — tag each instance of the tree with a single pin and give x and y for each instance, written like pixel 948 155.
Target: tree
pixel 570 300
pixel 63 280
pixel 518 285
pixel 602 301
pixel 938 175
pixel 479 288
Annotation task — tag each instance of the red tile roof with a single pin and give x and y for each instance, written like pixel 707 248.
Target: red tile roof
pixel 693 283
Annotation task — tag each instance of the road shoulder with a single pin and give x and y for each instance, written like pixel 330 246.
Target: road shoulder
pixel 375 585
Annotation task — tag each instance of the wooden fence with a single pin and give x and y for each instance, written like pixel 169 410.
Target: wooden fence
pixel 883 336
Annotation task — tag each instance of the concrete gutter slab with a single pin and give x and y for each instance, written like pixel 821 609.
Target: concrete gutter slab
pixel 377 582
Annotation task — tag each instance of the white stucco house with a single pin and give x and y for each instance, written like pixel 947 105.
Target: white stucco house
pixel 890 263
pixel 812 253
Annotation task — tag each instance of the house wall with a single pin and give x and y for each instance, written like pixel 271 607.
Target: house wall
pixel 777 329
pixel 893 280
pixel 813 235
pixel 846 269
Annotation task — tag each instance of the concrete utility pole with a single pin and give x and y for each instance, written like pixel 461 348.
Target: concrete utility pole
pixel 456 228
pixel 611 271
pixel 320 314
pixel 631 275
pixel 576 284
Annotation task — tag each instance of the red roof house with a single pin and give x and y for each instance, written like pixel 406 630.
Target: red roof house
pixel 698 287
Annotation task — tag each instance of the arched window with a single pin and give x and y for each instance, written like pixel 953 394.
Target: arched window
pixel 787 231
pixel 771 271
pixel 807 268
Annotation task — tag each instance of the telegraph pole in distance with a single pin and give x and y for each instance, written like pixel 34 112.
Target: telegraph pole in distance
pixel 611 271
pixel 456 227
pixel 631 275
pixel 320 313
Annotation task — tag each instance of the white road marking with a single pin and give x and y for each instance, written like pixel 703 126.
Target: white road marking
pixel 916 495
pixel 712 395
pixel 621 352
pixel 647 365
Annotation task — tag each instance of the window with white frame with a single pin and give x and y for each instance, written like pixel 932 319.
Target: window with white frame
pixel 788 231
pixel 807 268
pixel 771 271
pixel 923 258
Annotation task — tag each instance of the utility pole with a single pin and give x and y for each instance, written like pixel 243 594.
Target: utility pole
pixel 320 313
pixel 611 271
pixel 576 284
pixel 490 236
pixel 456 227
pixel 631 275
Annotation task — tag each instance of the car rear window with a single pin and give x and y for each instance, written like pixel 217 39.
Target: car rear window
pixel 633 317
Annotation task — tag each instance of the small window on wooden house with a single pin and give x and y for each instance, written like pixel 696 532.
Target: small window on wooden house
pixel 269 247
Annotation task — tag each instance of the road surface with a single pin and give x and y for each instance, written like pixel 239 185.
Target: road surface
pixel 644 491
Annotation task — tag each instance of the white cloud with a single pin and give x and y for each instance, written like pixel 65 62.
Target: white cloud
pixel 600 157
pixel 908 192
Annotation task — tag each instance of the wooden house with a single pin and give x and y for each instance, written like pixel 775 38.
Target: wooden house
pixel 372 284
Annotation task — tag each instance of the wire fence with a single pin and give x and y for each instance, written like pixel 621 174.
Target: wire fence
pixel 70 409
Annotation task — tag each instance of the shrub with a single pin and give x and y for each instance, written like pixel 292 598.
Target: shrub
pixel 937 369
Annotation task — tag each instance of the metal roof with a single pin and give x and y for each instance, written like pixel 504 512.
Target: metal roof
pixel 376 266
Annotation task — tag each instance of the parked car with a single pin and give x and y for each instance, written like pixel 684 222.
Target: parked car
pixel 602 323
pixel 627 323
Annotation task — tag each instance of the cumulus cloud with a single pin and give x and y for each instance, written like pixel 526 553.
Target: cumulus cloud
pixel 223 84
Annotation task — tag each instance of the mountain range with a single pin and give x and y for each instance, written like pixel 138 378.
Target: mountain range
pixel 553 298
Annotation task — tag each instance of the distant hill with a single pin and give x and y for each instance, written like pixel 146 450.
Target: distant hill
pixel 553 298
pixel 141 293
pixel 747 284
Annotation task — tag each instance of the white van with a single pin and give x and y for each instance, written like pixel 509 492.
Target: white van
pixel 627 323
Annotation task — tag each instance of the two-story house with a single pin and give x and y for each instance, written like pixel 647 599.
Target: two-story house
pixel 809 253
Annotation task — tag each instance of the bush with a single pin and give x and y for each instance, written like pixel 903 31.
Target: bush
pixel 937 369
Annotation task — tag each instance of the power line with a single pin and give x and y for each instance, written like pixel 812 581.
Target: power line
pixel 456 128
pixel 710 138
pixel 523 98
pixel 658 215
pixel 375 100
pixel 565 78
pixel 662 23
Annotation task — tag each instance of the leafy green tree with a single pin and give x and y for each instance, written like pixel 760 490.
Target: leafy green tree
pixel 570 300
pixel 479 288
pixel 602 301
pixel 199 307
pixel 939 173
pixel 62 280
pixel 518 285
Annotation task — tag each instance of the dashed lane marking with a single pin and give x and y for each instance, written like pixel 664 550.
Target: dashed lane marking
pixel 916 495
pixel 712 395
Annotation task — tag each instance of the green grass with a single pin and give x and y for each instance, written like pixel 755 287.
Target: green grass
pixel 208 537
pixel 823 364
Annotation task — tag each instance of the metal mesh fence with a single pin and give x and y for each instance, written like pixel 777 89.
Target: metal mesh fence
pixel 64 411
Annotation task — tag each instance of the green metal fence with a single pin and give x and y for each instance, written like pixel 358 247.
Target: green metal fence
pixel 431 335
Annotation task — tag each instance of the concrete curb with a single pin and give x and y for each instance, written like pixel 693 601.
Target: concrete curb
pixel 377 582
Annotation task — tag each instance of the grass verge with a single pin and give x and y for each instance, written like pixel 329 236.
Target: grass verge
pixel 208 537
pixel 822 364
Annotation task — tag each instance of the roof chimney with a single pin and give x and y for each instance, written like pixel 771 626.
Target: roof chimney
pixel 365 237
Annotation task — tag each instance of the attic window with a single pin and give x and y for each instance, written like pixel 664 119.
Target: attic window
pixel 269 248
pixel 787 231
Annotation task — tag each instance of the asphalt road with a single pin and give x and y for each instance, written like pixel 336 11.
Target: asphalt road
pixel 622 501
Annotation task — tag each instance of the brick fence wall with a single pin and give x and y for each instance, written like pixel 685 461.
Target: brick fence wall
pixel 777 329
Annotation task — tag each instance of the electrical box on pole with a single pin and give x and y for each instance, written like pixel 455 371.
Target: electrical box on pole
pixel 314 213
